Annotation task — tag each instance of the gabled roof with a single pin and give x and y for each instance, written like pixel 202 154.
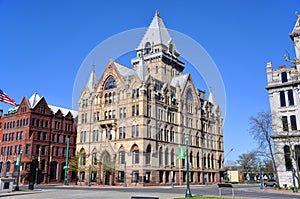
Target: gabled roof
pixel 34 100
pixel 181 79
pixel 64 111
pixel 92 82
pixel 296 29
pixel 156 34
pixel 124 70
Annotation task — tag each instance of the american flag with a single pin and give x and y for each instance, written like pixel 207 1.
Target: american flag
pixel 6 99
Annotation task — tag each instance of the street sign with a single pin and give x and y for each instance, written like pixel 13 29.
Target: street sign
pixel 18 161
pixel 66 167
pixel 181 152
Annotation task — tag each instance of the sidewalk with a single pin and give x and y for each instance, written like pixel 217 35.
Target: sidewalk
pixel 22 192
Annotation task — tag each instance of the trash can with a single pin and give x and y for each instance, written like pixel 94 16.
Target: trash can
pixel 31 186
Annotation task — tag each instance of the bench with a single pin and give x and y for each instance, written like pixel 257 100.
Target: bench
pixel 225 186
pixel 143 197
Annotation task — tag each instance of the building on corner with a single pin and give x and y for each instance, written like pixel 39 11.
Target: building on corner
pixel 284 92
pixel 40 130
pixel 132 121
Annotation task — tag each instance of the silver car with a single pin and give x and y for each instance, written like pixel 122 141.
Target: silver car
pixel 270 183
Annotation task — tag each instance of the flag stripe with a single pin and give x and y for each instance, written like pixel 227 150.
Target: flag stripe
pixel 6 99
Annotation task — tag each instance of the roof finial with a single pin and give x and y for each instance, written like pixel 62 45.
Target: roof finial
pixel 157 13
pixel 93 67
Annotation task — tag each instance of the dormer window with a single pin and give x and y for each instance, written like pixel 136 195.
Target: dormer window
pixel 171 48
pixel 147 48
pixel 110 83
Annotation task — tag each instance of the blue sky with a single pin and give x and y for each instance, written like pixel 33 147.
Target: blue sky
pixel 43 44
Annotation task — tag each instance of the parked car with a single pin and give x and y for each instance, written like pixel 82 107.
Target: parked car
pixel 270 183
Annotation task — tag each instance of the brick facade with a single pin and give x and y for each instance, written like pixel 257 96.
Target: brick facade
pixel 42 135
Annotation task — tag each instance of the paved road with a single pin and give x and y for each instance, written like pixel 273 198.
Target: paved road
pixel 79 192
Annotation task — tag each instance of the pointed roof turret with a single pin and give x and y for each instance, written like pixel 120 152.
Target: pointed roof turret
pixel 142 70
pixel 92 82
pixel 157 34
pixel 296 29
pixel 211 97
pixel 34 100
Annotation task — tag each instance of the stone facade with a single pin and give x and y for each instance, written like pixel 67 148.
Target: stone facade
pixel 40 131
pixel 132 121
pixel 284 91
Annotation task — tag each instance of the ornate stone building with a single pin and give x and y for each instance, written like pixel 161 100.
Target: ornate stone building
pixel 283 89
pixel 133 120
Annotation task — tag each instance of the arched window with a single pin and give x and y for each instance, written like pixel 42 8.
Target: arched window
pixel 160 158
pixel 198 160
pixel 147 48
pixel 204 161
pixel 287 154
pixel 122 157
pixel 148 154
pixel 106 98
pixel 212 162
pixel 135 157
pixel 189 102
pixel 135 154
pixel 191 159
pixel 167 157
pixel 208 161
pixel 110 83
pixel 110 98
pixel 172 157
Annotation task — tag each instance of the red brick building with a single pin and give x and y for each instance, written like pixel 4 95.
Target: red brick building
pixel 40 131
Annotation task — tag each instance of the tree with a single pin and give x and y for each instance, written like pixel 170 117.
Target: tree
pixel 248 161
pixel 261 130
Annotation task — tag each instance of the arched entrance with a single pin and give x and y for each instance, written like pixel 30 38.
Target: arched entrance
pixel 107 168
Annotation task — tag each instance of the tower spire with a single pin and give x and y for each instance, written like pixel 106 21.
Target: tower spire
pixel 92 81
pixel 157 34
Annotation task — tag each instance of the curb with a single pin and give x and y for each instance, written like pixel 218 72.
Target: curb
pixel 16 193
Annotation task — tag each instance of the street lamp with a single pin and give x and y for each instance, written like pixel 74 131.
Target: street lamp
pixel 125 185
pixel 188 193
pixel 18 163
pixel 172 172
pixel 295 190
pixel 89 177
pixel 261 176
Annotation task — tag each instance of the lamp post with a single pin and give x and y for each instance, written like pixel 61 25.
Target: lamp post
pixel 295 190
pixel 125 185
pixel 188 190
pixel 261 176
pixel 172 172
pixel 67 163
pixel 19 166
pixel 89 177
